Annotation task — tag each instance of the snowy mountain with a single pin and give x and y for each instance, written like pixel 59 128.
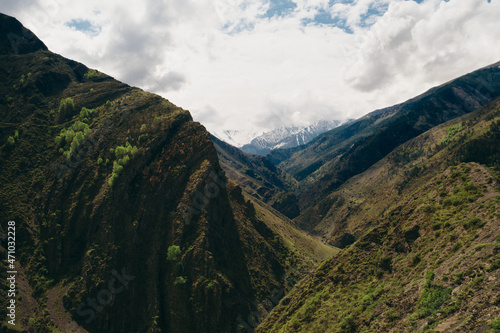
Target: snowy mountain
pixel 238 138
pixel 260 143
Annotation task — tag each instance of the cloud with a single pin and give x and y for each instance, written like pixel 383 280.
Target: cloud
pixel 430 42
pixel 239 64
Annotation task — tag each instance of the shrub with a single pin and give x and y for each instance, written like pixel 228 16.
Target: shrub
pixel 173 252
pixel 180 280
pixel 495 325
pixel 86 112
pixel 432 296
pixel 112 179
pixel 429 209
pixel 66 108
pixel 415 259
pixel 348 324
pixel 366 301
pixel 117 167
pixel 77 140
pixel 92 73
pixel 473 223
pixel 134 150
pixel 120 151
pixel 11 141
pixel 124 160
pixel 459 277
pixel 99 161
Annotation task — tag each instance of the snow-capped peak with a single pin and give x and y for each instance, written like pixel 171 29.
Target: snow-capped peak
pixel 238 138
pixel 260 142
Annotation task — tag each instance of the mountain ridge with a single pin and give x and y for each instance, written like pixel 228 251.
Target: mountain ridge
pixel 333 157
pixel 260 142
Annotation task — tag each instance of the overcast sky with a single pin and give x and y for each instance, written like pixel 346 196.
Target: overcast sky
pixel 240 64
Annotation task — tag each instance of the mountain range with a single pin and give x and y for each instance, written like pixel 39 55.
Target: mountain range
pixel 260 143
pixel 130 217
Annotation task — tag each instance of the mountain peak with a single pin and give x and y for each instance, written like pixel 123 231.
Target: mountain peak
pixel 15 38
pixel 288 137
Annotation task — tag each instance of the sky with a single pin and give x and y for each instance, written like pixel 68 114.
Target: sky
pixel 263 64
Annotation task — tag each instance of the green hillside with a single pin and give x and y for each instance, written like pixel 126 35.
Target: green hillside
pixel 426 228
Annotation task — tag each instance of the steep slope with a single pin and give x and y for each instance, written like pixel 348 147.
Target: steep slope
pixel 347 212
pixel 288 137
pixel 125 221
pixel 334 157
pixel 258 177
pixel 429 259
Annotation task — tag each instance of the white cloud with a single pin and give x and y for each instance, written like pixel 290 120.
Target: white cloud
pixel 234 67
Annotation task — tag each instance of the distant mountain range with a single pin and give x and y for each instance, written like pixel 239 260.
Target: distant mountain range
pixel 260 142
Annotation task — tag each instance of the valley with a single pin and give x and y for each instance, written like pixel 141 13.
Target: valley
pixel 386 223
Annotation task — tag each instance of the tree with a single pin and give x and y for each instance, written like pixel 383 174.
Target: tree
pixel 66 108
pixel 173 252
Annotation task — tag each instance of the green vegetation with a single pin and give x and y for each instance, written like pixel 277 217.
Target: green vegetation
pixel 84 113
pixel 407 250
pixel 369 284
pixel 495 325
pixel 71 138
pixel 11 140
pixel 66 108
pixel 432 297
pixel 180 280
pixel 173 252
pixel 92 73
pixel 122 155
pixel 452 133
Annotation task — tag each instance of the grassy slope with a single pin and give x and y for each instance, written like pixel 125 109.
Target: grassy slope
pixel 429 260
pixel 356 205
pixel 296 239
